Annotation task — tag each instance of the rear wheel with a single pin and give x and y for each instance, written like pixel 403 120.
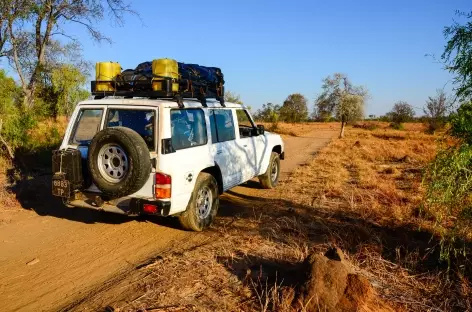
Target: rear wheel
pixel 203 205
pixel 270 178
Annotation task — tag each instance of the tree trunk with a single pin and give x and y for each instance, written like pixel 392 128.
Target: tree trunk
pixel 28 100
pixel 343 124
pixel 4 143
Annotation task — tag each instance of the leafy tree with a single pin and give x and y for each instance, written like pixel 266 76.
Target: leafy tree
pixel 67 82
pixel 448 178
pixel 233 97
pixel 322 116
pixel 402 112
pixel 294 109
pixel 341 98
pixel 28 29
pixel 457 55
pixel 437 108
pixel 268 113
pixel 9 93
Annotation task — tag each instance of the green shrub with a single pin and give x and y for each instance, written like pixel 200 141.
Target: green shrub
pixel 461 123
pixel 16 128
pixel 397 126
pixel 448 181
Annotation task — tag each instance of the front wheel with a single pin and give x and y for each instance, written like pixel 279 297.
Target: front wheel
pixel 203 205
pixel 270 178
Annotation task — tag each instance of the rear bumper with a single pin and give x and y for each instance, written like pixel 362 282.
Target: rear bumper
pixel 126 205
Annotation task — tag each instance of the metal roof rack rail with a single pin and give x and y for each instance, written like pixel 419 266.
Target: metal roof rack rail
pixel 167 86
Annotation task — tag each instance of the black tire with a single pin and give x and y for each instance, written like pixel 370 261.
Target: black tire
pixel 193 219
pixel 135 162
pixel 269 180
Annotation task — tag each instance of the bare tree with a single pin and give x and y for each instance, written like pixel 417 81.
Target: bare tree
pixel 341 98
pixel 28 28
pixel 437 108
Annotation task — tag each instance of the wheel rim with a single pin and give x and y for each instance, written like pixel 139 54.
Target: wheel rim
pixel 112 163
pixel 204 202
pixel 274 171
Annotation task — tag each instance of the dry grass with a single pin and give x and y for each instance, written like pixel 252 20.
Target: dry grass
pixel 361 193
pixel 376 173
pixel 298 129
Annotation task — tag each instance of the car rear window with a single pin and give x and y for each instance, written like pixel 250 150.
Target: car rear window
pixel 140 120
pixel 88 123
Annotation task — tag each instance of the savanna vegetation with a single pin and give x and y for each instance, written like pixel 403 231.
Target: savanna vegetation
pixel 393 194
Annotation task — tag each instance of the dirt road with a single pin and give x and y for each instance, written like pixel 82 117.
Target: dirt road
pixel 52 255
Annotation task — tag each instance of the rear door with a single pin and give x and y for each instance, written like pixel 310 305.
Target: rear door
pixel 189 139
pixel 224 148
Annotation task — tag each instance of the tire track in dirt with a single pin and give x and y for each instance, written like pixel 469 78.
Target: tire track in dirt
pixel 59 255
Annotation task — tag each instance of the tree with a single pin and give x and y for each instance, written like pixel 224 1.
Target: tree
pixel 437 108
pixel 448 178
pixel 268 113
pixel 67 82
pixel 341 98
pixel 28 29
pixel 457 55
pixel 9 93
pixel 294 108
pixel 232 97
pixel 402 112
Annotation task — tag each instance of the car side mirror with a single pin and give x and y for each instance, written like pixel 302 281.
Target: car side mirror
pixel 260 129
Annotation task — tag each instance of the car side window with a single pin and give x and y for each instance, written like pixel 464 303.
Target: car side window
pixel 188 128
pixel 222 125
pixel 245 124
pixel 88 124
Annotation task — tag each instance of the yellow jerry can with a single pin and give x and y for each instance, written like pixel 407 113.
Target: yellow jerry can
pixel 105 74
pixel 165 68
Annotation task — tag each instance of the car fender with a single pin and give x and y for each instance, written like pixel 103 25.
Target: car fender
pixel 273 140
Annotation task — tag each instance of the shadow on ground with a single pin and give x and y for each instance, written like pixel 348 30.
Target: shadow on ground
pixel 284 222
pixel 33 189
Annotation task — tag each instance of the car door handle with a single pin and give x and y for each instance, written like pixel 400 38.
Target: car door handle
pixel 219 152
pixel 245 145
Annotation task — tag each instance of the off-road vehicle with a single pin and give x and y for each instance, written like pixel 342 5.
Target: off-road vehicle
pixel 161 156
pixel 135 156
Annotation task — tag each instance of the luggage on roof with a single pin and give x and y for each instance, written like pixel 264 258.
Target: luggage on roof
pixel 161 78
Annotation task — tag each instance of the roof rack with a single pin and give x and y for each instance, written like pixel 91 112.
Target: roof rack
pixel 166 89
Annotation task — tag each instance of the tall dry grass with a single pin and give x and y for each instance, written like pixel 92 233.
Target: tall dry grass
pixel 299 129
pixel 361 193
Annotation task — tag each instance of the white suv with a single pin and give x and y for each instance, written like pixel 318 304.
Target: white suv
pixel 150 156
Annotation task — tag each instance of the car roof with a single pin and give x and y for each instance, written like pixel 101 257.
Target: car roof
pixel 158 102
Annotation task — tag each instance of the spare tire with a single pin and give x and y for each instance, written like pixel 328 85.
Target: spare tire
pixel 118 161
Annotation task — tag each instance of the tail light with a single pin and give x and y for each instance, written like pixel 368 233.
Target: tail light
pixel 162 188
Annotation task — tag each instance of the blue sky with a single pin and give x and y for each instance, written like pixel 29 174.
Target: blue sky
pixel 269 49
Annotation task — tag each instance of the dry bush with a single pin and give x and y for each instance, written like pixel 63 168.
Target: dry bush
pixel 45 136
pixel 7 198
